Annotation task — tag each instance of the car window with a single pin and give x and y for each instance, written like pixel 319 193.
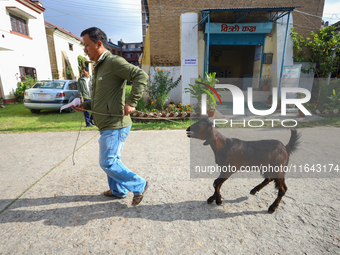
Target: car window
pixel 73 86
pixel 39 84
pixel 59 85
pixel 53 85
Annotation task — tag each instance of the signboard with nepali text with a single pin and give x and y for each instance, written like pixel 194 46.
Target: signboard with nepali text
pixel 240 28
pixel 291 77
pixel 190 61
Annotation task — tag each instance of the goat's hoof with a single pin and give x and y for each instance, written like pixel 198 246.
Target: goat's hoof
pixel 253 192
pixel 210 200
pixel 218 202
pixel 271 209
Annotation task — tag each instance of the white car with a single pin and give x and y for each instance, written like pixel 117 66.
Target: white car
pixel 50 95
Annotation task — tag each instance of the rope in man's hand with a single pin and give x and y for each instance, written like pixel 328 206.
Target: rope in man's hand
pixel 80 108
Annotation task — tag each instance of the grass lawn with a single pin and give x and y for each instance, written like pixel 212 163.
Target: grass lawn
pixel 15 118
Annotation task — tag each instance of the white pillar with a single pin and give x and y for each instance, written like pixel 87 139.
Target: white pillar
pixel 189 50
pixel 90 68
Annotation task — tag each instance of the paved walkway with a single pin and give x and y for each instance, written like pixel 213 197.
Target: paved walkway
pixel 60 208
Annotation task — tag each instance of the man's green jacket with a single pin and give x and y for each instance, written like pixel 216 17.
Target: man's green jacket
pixel 83 92
pixel 108 91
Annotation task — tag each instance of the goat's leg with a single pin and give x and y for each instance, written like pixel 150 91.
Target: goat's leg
pixel 260 186
pixel 217 196
pixel 282 187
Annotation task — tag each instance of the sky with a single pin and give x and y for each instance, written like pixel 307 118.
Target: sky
pixel 121 19
pixel 331 11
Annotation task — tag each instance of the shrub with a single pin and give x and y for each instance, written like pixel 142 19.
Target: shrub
pixel 81 63
pixel 19 93
pixel 141 104
pixel 127 91
pixel 161 85
pixel 326 90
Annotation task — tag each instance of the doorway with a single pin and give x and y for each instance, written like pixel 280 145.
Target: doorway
pixel 233 63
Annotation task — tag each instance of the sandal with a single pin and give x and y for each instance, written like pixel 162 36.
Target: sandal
pixel 138 198
pixel 109 193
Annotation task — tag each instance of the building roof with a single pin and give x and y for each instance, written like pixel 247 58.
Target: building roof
pixel 285 8
pixel 50 25
pixel 241 12
pixel 114 45
pixel 337 24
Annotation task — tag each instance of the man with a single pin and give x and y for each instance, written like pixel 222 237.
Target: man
pixel 84 92
pixel 111 112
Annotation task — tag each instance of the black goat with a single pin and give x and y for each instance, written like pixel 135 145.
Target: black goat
pixel 237 153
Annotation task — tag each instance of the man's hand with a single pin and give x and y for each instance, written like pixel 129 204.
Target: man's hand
pixel 79 108
pixel 82 100
pixel 128 109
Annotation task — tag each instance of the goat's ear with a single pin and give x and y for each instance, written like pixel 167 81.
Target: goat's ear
pixel 208 136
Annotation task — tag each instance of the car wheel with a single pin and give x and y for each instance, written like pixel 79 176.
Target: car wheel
pixel 34 111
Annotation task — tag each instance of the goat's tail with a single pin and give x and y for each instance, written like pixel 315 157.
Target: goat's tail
pixel 293 141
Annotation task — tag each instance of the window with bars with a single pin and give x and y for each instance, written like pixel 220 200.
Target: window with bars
pixel 19 25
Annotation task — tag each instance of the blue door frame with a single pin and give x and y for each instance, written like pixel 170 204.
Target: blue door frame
pixel 255 39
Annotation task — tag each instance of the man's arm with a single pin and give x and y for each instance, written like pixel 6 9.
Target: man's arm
pixel 132 73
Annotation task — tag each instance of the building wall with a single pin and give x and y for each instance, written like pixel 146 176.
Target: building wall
pixel 134 58
pixel 132 48
pixel 16 50
pixel 115 49
pixel 165 22
pixel 52 52
pixel 61 42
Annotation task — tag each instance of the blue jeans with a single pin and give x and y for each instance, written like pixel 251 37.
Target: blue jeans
pixel 120 178
pixel 87 117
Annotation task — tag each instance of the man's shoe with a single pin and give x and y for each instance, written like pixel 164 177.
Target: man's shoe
pixel 138 198
pixel 109 193
pixel 91 121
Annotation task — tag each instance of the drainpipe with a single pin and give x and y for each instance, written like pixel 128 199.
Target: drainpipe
pixel 205 51
pixel 208 43
pixel 262 56
pixel 284 52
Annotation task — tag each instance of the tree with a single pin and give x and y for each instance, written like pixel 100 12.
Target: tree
pixel 319 50
pixel 81 63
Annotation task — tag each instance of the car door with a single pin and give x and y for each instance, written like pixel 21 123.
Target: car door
pixel 72 91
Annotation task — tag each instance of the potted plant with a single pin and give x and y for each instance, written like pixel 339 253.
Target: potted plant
pixel 196 90
pixel 265 83
pixel 211 107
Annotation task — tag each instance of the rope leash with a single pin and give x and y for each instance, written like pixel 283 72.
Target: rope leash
pixel 75 145
pixel 105 114
pixel 114 115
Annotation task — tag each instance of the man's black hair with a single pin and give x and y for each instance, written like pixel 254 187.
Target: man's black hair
pixel 96 34
pixel 85 68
